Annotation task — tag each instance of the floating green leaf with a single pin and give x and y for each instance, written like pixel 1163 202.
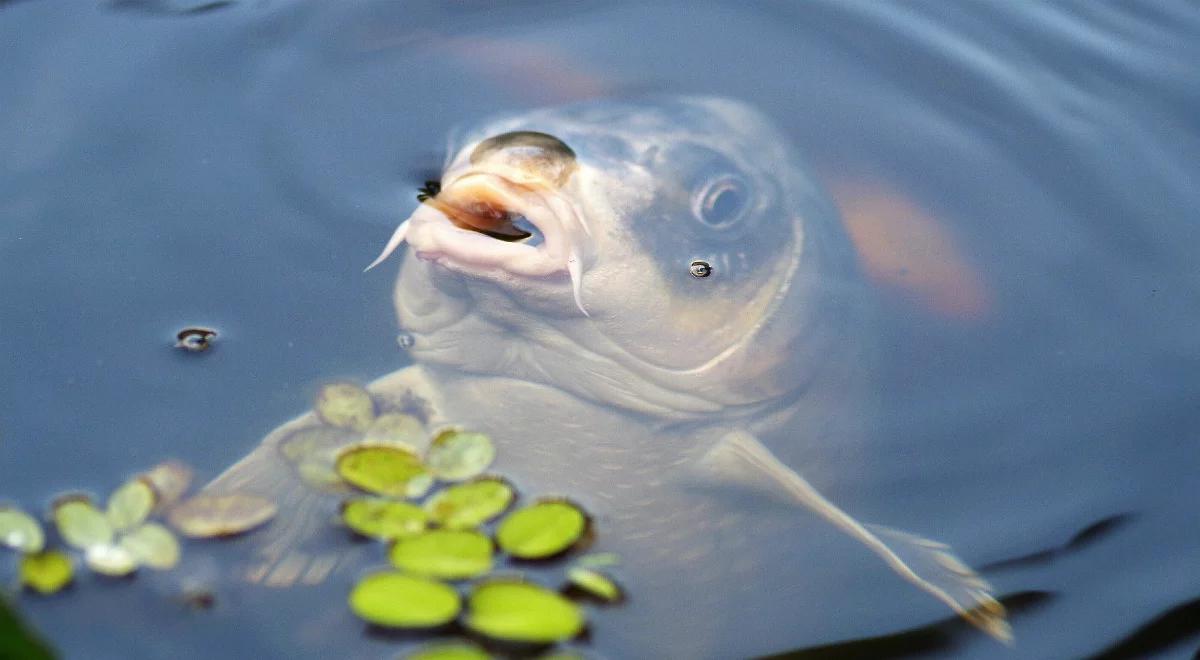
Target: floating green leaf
pixel 455 455
pixel 469 505
pixel 396 429
pixel 207 516
pixel 170 480
pixel 455 650
pixel 445 554
pixel 152 545
pixel 384 470
pixel 130 504
pixel 313 450
pixel 345 405
pixel 20 531
pixel 80 523
pixel 46 572
pixel 383 519
pixel 595 584
pixel 519 611
pixel 111 560
pixel 541 530
pixel 390 598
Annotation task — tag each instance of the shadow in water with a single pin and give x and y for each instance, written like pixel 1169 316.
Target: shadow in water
pixel 942 636
pixel 1085 537
pixel 1167 630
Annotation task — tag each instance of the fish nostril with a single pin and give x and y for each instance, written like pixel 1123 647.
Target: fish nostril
pixel 539 154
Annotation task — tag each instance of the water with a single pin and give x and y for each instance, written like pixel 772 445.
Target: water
pixel 236 167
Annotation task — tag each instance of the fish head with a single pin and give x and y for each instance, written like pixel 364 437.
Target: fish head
pixel 669 255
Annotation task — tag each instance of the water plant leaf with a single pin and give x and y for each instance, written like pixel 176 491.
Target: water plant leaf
pixel 388 470
pixel 46 572
pixel 444 553
pixel 396 600
pixel 451 650
pixel 397 429
pixel 20 531
pixel 313 450
pixel 595 584
pixel 170 480
pixel 345 405
pixel 18 640
pixel 383 519
pixel 471 504
pixel 111 560
pixel 542 529
pixel 518 611
pixel 209 516
pixel 80 523
pixel 131 504
pixel 456 455
pixel 152 545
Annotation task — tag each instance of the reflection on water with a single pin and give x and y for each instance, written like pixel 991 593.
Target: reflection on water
pixel 238 165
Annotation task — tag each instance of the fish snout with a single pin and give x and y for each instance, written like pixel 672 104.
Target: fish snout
pixel 527 157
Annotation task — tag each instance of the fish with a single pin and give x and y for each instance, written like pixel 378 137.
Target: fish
pixel 643 302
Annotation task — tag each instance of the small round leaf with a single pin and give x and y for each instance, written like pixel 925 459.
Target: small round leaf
pixel 469 505
pixel 20 531
pixel 456 455
pixel 396 429
pixel 208 516
pixel 111 560
pixel 80 523
pixel 130 504
pixel 384 470
pixel 392 599
pixel 383 519
pixel 445 554
pixel 453 650
pixel 519 611
pixel 541 530
pixel 595 584
pixel 46 572
pixel 152 545
pixel 345 405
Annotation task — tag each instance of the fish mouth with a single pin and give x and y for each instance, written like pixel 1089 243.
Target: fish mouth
pixel 481 222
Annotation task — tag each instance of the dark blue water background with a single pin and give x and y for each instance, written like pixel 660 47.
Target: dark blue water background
pixel 236 165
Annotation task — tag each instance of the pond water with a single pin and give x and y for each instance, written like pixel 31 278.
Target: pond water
pixel 236 164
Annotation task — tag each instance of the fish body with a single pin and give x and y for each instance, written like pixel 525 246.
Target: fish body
pixel 640 302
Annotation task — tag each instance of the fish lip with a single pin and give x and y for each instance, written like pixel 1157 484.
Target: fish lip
pixel 434 237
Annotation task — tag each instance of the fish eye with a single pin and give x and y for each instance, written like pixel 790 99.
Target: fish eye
pixel 721 202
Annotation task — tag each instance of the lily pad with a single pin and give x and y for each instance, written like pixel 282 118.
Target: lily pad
pixel 152 545
pixel 170 480
pixel 595 584
pixel 471 504
pixel 383 519
pixel 345 405
pixel 449 651
pixel 388 470
pixel 396 600
pixel 46 572
pixel 208 516
pixel 396 429
pixel 130 504
pixel 518 611
pixel 456 455
pixel 111 560
pixel 80 523
pixel 541 530
pixel 20 531
pixel 444 553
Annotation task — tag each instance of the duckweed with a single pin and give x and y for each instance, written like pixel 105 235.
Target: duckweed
pixel 383 519
pixel 152 545
pixel 345 405
pixel 595 584
pixel 469 505
pixel 396 429
pixel 443 553
pixel 170 480
pixel 130 504
pixel 80 523
pixel 384 470
pixel 20 531
pixel 456 455
pixel 209 516
pixel 518 611
pixel 395 600
pixel 455 650
pixel 541 530
pixel 110 560
pixel 46 572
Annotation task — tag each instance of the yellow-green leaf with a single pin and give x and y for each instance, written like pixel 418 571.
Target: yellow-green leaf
pixel 20 531
pixel 541 530
pixel 595 584
pixel 396 429
pixel 392 599
pixel 130 504
pixel 345 405
pixel 520 611
pixel 455 455
pixel 80 523
pixel 452 650
pixel 207 516
pixel 383 519
pixel 46 572
pixel 152 545
pixel 443 553
pixel 471 504
pixel 384 470
pixel 111 560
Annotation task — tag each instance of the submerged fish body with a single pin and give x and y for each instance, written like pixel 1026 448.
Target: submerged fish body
pixel 633 299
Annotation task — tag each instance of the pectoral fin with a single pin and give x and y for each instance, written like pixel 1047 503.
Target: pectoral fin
pixel 930 565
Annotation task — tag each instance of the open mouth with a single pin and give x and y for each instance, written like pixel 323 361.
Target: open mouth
pixel 482 221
